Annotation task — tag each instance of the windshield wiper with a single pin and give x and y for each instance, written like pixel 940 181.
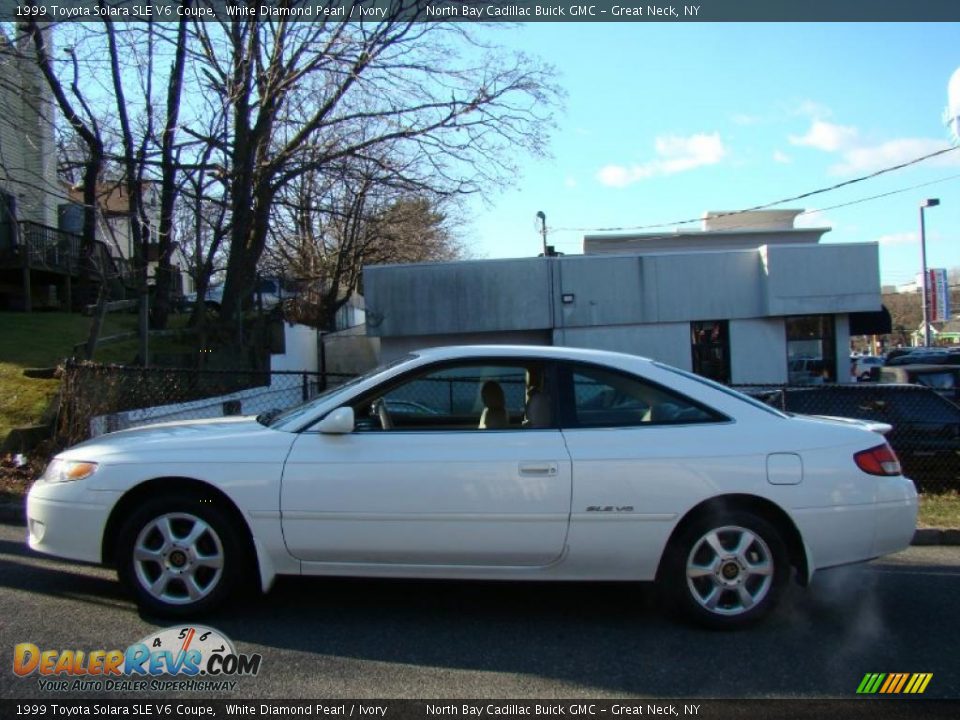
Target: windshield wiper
pixel 265 418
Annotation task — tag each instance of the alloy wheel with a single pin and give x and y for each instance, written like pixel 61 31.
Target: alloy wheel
pixel 178 558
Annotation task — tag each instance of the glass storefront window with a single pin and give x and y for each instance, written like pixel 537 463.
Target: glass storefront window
pixel 710 343
pixel 811 350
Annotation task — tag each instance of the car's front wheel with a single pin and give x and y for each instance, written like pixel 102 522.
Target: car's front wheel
pixel 180 557
pixel 726 570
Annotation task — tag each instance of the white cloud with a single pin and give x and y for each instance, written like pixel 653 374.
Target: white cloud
pixel 675 154
pixel 614 176
pixel 781 157
pixel 857 157
pixel 812 109
pixel 826 136
pixel 860 160
pixel 570 181
pixel 746 120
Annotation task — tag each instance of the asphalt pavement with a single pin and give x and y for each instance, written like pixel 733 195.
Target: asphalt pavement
pixel 333 638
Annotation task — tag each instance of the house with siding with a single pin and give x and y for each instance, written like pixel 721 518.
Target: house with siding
pixel 41 219
pixel 34 256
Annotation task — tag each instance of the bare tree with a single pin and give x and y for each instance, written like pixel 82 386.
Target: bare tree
pixel 84 123
pixel 326 229
pixel 305 96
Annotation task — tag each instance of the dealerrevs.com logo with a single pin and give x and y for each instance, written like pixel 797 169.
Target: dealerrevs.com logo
pixel 201 658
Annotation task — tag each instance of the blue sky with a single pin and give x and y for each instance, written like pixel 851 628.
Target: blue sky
pixel 664 121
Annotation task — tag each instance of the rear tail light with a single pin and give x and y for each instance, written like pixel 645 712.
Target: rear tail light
pixel 880 460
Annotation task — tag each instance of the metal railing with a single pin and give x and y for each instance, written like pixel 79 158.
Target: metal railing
pixel 49 248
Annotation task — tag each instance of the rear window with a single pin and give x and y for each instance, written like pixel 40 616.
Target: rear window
pixel 721 388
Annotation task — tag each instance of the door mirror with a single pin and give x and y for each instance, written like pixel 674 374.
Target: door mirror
pixel 338 422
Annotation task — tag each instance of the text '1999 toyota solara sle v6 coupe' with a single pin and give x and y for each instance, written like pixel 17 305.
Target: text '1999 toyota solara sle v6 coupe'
pixel 493 462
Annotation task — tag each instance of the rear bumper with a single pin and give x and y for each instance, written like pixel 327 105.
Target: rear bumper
pixel 896 516
pixel 845 534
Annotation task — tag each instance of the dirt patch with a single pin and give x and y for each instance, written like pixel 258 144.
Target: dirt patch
pixel 18 473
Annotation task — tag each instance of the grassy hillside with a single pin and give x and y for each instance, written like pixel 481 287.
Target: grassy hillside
pixel 43 340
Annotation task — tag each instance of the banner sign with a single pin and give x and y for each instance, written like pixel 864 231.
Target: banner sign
pixel 938 295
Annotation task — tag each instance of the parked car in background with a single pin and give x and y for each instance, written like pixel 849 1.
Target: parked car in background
pixel 926 426
pixel 863 365
pixel 268 293
pixel 805 370
pixel 601 466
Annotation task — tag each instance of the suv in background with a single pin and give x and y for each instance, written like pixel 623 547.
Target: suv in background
pixel 924 356
pixel 945 379
pixel 926 427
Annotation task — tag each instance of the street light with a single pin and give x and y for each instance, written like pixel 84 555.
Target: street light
pixel 929 202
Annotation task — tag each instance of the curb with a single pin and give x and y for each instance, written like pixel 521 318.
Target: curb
pixel 936 536
pixel 15 512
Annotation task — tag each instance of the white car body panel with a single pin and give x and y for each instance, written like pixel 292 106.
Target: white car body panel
pixel 541 504
pixel 428 498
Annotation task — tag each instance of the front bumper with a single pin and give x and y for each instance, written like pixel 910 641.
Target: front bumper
pixel 67 519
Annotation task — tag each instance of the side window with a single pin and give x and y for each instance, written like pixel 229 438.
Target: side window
pixel 489 396
pixel 603 398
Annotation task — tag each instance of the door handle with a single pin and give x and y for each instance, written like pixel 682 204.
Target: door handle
pixel 538 469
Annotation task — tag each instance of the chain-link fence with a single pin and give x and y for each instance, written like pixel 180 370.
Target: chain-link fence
pixel 926 426
pixel 102 398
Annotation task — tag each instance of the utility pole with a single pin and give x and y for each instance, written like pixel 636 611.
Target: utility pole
pixel 543 230
pixel 924 287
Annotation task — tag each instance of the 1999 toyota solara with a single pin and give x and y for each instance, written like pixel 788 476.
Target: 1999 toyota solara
pixel 496 462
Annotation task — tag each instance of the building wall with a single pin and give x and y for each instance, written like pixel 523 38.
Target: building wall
pixel 348 352
pixel 595 291
pixel 472 296
pixel 758 351
pixel 394 347
pixel 667 342
pixel 641 304
pixel 28 159
pixel 809 280
pixel 300 343
pixel 842 331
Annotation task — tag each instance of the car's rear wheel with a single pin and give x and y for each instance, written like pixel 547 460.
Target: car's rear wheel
pixel 180 557
pixel 726 570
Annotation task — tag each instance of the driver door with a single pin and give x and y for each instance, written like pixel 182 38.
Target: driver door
pixel 419 483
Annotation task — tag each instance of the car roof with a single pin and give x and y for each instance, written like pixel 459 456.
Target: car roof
pixel 924 367
pixel 547 352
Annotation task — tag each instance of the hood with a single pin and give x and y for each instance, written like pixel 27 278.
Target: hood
pixel 182 436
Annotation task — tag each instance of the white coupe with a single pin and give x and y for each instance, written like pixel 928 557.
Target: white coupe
pixel 496 462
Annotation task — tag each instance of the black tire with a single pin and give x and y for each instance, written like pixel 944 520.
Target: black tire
pixel 181 556
pixel 725 570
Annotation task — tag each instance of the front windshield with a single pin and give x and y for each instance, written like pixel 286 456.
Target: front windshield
pixel 290 418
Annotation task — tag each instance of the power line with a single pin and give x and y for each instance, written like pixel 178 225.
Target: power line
pixel 756 225
pixel 882 195
pixel 764 206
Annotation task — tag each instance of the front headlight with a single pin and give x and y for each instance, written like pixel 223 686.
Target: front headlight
pixel 67 470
